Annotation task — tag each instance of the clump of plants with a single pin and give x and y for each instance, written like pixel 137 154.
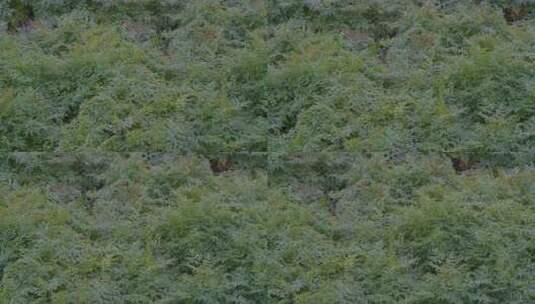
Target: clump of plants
pixel 303 151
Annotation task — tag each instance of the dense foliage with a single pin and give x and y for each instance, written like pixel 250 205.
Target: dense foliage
pixel 267 151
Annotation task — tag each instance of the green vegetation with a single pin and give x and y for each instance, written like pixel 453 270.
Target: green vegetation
pixel 267 151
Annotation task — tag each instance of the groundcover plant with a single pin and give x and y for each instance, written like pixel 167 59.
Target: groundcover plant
pixel 267 151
